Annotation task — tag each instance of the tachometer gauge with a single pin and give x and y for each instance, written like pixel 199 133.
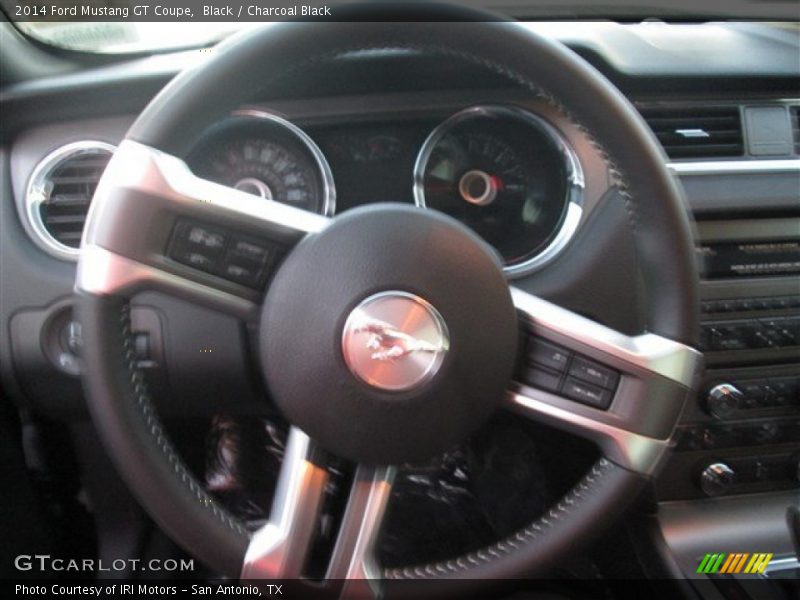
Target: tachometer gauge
pixel 269 157
pixel 509 176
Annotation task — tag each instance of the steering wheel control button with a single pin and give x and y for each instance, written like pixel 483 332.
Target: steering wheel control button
pixel 404 326
pixel 197 246
pixel 549 355
pixel 595 373
pixel 553 368
pixel 202 239
pixel 586 393
pixel 242 274
pixel 544 379
pixel 394 341
pixel 245 260
pixel 250 251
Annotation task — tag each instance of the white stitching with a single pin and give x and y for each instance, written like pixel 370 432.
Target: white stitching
pixel 153 423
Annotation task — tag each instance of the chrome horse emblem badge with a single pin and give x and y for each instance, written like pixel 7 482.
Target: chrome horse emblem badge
pixel 389 343
pixel 394 341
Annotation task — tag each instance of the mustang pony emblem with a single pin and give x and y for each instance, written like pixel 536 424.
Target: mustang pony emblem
pixel 389 343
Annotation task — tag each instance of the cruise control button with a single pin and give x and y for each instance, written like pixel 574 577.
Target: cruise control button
pixel 203 237
pixel 593 372
pixel 250 250
pixel 198 260
pixel 586 393
pixel 206 240
pixel 543 379
pixel 548 355
pixel 242 274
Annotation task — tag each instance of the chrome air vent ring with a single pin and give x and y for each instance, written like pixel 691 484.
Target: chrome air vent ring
pixel 73 200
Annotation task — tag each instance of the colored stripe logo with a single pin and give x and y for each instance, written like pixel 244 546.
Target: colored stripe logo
pixel 737 562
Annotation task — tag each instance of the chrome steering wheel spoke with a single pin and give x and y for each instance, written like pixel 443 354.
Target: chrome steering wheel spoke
pixel 281 548
pixel 354 557
pixel 204 242
pixel 613 389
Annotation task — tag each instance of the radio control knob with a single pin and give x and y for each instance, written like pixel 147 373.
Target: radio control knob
pixel 716 479
pixel 723 400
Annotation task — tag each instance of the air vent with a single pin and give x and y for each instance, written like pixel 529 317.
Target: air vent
pixel 794 111
pixel 59 193
pixel 697 131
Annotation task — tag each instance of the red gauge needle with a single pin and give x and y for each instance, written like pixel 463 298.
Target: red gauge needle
pixel 497 183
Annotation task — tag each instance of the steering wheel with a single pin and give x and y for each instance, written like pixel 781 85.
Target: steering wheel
pixel 389 333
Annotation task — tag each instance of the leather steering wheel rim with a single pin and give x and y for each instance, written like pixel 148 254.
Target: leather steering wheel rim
pixel 118 398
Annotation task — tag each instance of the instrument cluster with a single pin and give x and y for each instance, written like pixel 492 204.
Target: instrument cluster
pixel 504 172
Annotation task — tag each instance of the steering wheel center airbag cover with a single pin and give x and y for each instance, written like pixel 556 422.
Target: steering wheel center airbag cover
pixel 399 254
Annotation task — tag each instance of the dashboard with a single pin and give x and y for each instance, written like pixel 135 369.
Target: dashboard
pixel 507 165
pixel 500 169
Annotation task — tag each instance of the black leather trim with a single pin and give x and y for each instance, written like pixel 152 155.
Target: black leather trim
pixel 580 516
pixel 127 423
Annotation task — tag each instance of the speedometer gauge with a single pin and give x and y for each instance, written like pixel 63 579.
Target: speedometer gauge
pixel 266 156
pixel 507 174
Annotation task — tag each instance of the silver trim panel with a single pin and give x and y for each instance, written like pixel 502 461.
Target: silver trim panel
pixel 36 194
pixel 104 273
pixel 782 564
pixel 146 186
pixel 280 548
pixel 735 167
pixel 628 449
pixel 166 178
pixel 643 361
pixel 574 170
pixel 647 352
pixel 354 554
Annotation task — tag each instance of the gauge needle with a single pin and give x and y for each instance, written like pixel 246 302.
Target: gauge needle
pixel 439 184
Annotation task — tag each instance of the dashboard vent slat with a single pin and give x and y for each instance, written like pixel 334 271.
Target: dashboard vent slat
pixel 697 131
pixel 60 192
pixel 794 112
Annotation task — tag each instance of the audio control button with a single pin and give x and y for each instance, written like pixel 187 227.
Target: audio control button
pixel 593 372
pixel 586 393
pixel 731 335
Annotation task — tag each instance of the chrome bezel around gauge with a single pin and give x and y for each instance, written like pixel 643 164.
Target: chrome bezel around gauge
pixel 325 173
pixel 573 210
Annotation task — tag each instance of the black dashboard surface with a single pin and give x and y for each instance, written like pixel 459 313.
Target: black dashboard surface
pixel 645 59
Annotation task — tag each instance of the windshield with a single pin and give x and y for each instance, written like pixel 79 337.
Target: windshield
pixel 127 37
